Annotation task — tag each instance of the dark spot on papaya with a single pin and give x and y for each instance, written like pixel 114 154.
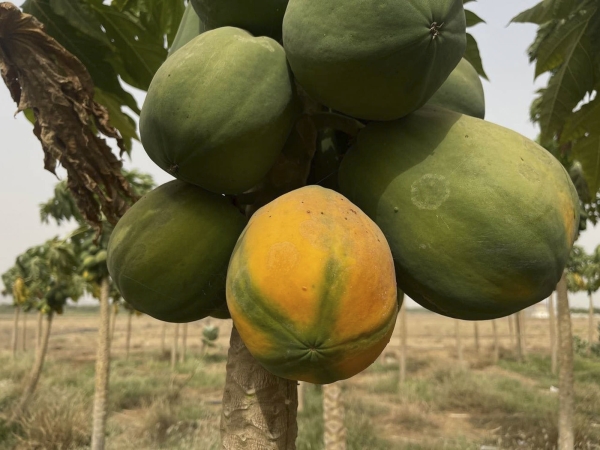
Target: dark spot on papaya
pixel 395 209
pixel 308 211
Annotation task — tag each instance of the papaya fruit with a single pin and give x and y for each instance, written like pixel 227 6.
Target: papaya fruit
pixel 219 110
pixel 480 219
pixel 373 61
pixel 168 254
pixel 259 17
pixel 311 287
pixel 461 92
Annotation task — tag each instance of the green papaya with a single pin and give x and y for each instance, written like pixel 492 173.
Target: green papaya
pixel 259 17
pixel 462 92
pixel 100 257
pixel 190 27
pixel 219 110
pixel 89 262
pixel 168 254
pixel 374 61
pixel 480 219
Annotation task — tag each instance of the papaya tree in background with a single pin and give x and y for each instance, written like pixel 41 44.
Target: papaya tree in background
pixel 593 274
pixel 50 276
pixel 9 279
pixel 584 275
pixel 91 251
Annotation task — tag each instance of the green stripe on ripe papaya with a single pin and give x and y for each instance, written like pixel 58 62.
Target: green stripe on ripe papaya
pixel 311 355
pixel 244 298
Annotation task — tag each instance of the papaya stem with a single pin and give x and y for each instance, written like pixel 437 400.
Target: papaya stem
pixel 324 120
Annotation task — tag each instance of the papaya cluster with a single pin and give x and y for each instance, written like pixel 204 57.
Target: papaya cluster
pixel 327 155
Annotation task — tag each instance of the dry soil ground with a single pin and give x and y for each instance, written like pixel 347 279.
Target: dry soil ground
pixel 441 406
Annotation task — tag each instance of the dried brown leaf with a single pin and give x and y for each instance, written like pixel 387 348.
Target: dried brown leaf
pixel 44 77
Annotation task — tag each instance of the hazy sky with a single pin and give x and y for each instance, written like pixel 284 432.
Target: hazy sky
pixel 24 184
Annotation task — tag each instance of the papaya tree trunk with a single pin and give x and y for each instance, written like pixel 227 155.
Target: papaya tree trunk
pixel 38 336
pixel 163 338
pixel 128 335
pixel 523 322
pixel 15 333
pixel 24 332
pixel 511 330
pixel 183 342
pixel 113 322
pixel 591 330
pixel 333 417
pixel 566 438
pixel 476 330
pixel 259 408
pixel 553 340
pixel 459 352
pixel 174 349
pixel 519 340
pixel 36 371
pixel 301 393
pixel 496 355
pixel 102 370
pixel 403 336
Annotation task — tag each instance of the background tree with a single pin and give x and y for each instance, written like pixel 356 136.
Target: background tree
pixel 91 250
pixel 50 276
pixel 584 275
pixel 9 278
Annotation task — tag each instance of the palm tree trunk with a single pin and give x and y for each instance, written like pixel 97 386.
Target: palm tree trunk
pixel 459 352
pixel 566 438
pixel 128 336
pixel 476 329
pixel 591 325
pixel 259 409
pixel 496 355
pixel 183 342
pixel 333 417
pixel 519 340
pixel 511 330
pixel 15 333
pixel 24 332
pixel 102 370
pixel 38 337
pixel 36 371
pixel 403 335
pixel 553 343
pixel 163 338
pixel 174 349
